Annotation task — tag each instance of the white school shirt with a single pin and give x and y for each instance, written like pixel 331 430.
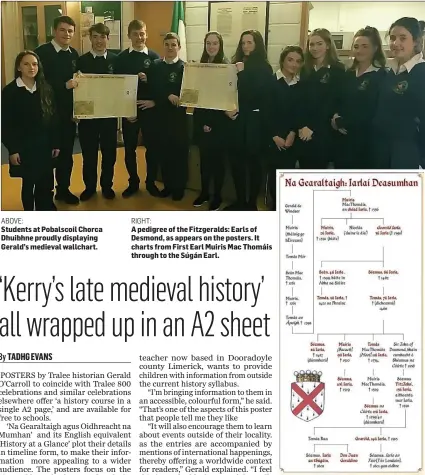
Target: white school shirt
pixel 144 50
pixel 59 47
pixel 409 65
pixel 21 83
pixel 291 82
pixel 105 54
pixel 370 69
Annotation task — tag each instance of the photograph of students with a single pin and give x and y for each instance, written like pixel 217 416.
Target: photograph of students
pixel 322 79
pixel 173 146
pixel 59 62
pixel 249 132
pixel 358 101
pixel 138 59
pixel 210 127
pixel 98 132
pixel 29 132
pixel 399 124
pixel 283 126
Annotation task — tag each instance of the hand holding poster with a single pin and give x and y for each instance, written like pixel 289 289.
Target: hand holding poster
pixel 210 86
pixel 101 96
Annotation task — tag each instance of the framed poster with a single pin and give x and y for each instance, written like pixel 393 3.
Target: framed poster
pixel 230 19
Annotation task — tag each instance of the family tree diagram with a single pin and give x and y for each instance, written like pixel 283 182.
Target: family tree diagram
pixel 351 309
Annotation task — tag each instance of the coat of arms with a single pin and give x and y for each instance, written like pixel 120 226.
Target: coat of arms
pixel 401 87
pixel 307 395
pixel 325 78
pixel 364 84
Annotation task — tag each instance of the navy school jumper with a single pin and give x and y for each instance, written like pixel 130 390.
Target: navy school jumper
pixel 357 107
pixel 283 119
pixel 399 124
pixel 319 92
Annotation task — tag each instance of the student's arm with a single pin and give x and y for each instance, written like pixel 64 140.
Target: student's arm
pixel 51 78
pixel 303 114
pixel 118 69
pixel 159 89
pixel 420 108
pixel 54 126
pixel 9 122
pixel 79 66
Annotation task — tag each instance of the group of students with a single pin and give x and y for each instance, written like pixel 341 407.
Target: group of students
pixel 311 111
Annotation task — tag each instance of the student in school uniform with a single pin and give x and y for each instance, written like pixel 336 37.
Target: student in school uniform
pixel 399 124
pixel 173 145
pixel 59 62
pixel 283 126
pixel 138 60
pixel 358 101
pixel 28 129
pixel 210 126
pixel 249 133
pixel 322 79
pixel 98 132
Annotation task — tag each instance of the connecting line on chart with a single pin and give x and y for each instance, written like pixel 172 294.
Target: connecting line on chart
pixel 351 219
pixel 365 334
pixel 320 445
pixel 382 261
pixel 366 427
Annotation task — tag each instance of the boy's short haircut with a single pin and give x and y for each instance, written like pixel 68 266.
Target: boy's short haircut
pixel 63 19
pixel 135 25
pixel 100 28
pixel 172 36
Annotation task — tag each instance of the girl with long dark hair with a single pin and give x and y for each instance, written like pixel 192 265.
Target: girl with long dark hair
pixel 29 132
pixel 322 79
pixel 210 128
pixel 399 124
pixel 358 101
pixel 283 126
pixel 249 133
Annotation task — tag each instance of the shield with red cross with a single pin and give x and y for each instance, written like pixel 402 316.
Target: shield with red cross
pixel 307 400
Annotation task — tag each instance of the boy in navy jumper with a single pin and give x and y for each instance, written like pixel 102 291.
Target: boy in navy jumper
pixel 173 148
pixel 138 59
pixel 59 62
pixel 98 132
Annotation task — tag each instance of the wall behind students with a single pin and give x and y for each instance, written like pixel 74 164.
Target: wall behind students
pixel 73 10
pixel 351 16
pixel 158 17
pixel 11 33
pixel 287 22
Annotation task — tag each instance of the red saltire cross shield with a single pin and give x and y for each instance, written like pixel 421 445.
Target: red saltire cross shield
pixel 307 400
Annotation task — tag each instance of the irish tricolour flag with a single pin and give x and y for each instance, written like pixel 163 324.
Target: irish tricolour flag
pixel 178 26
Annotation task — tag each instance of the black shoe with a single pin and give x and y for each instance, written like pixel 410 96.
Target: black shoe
pixel 215 204
pixel 165 193
pixel 67 197
pixel 130 191
pixel 87 194
pixel 152 189
pixel 177 195
pixel 202 198
pixel 108 193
